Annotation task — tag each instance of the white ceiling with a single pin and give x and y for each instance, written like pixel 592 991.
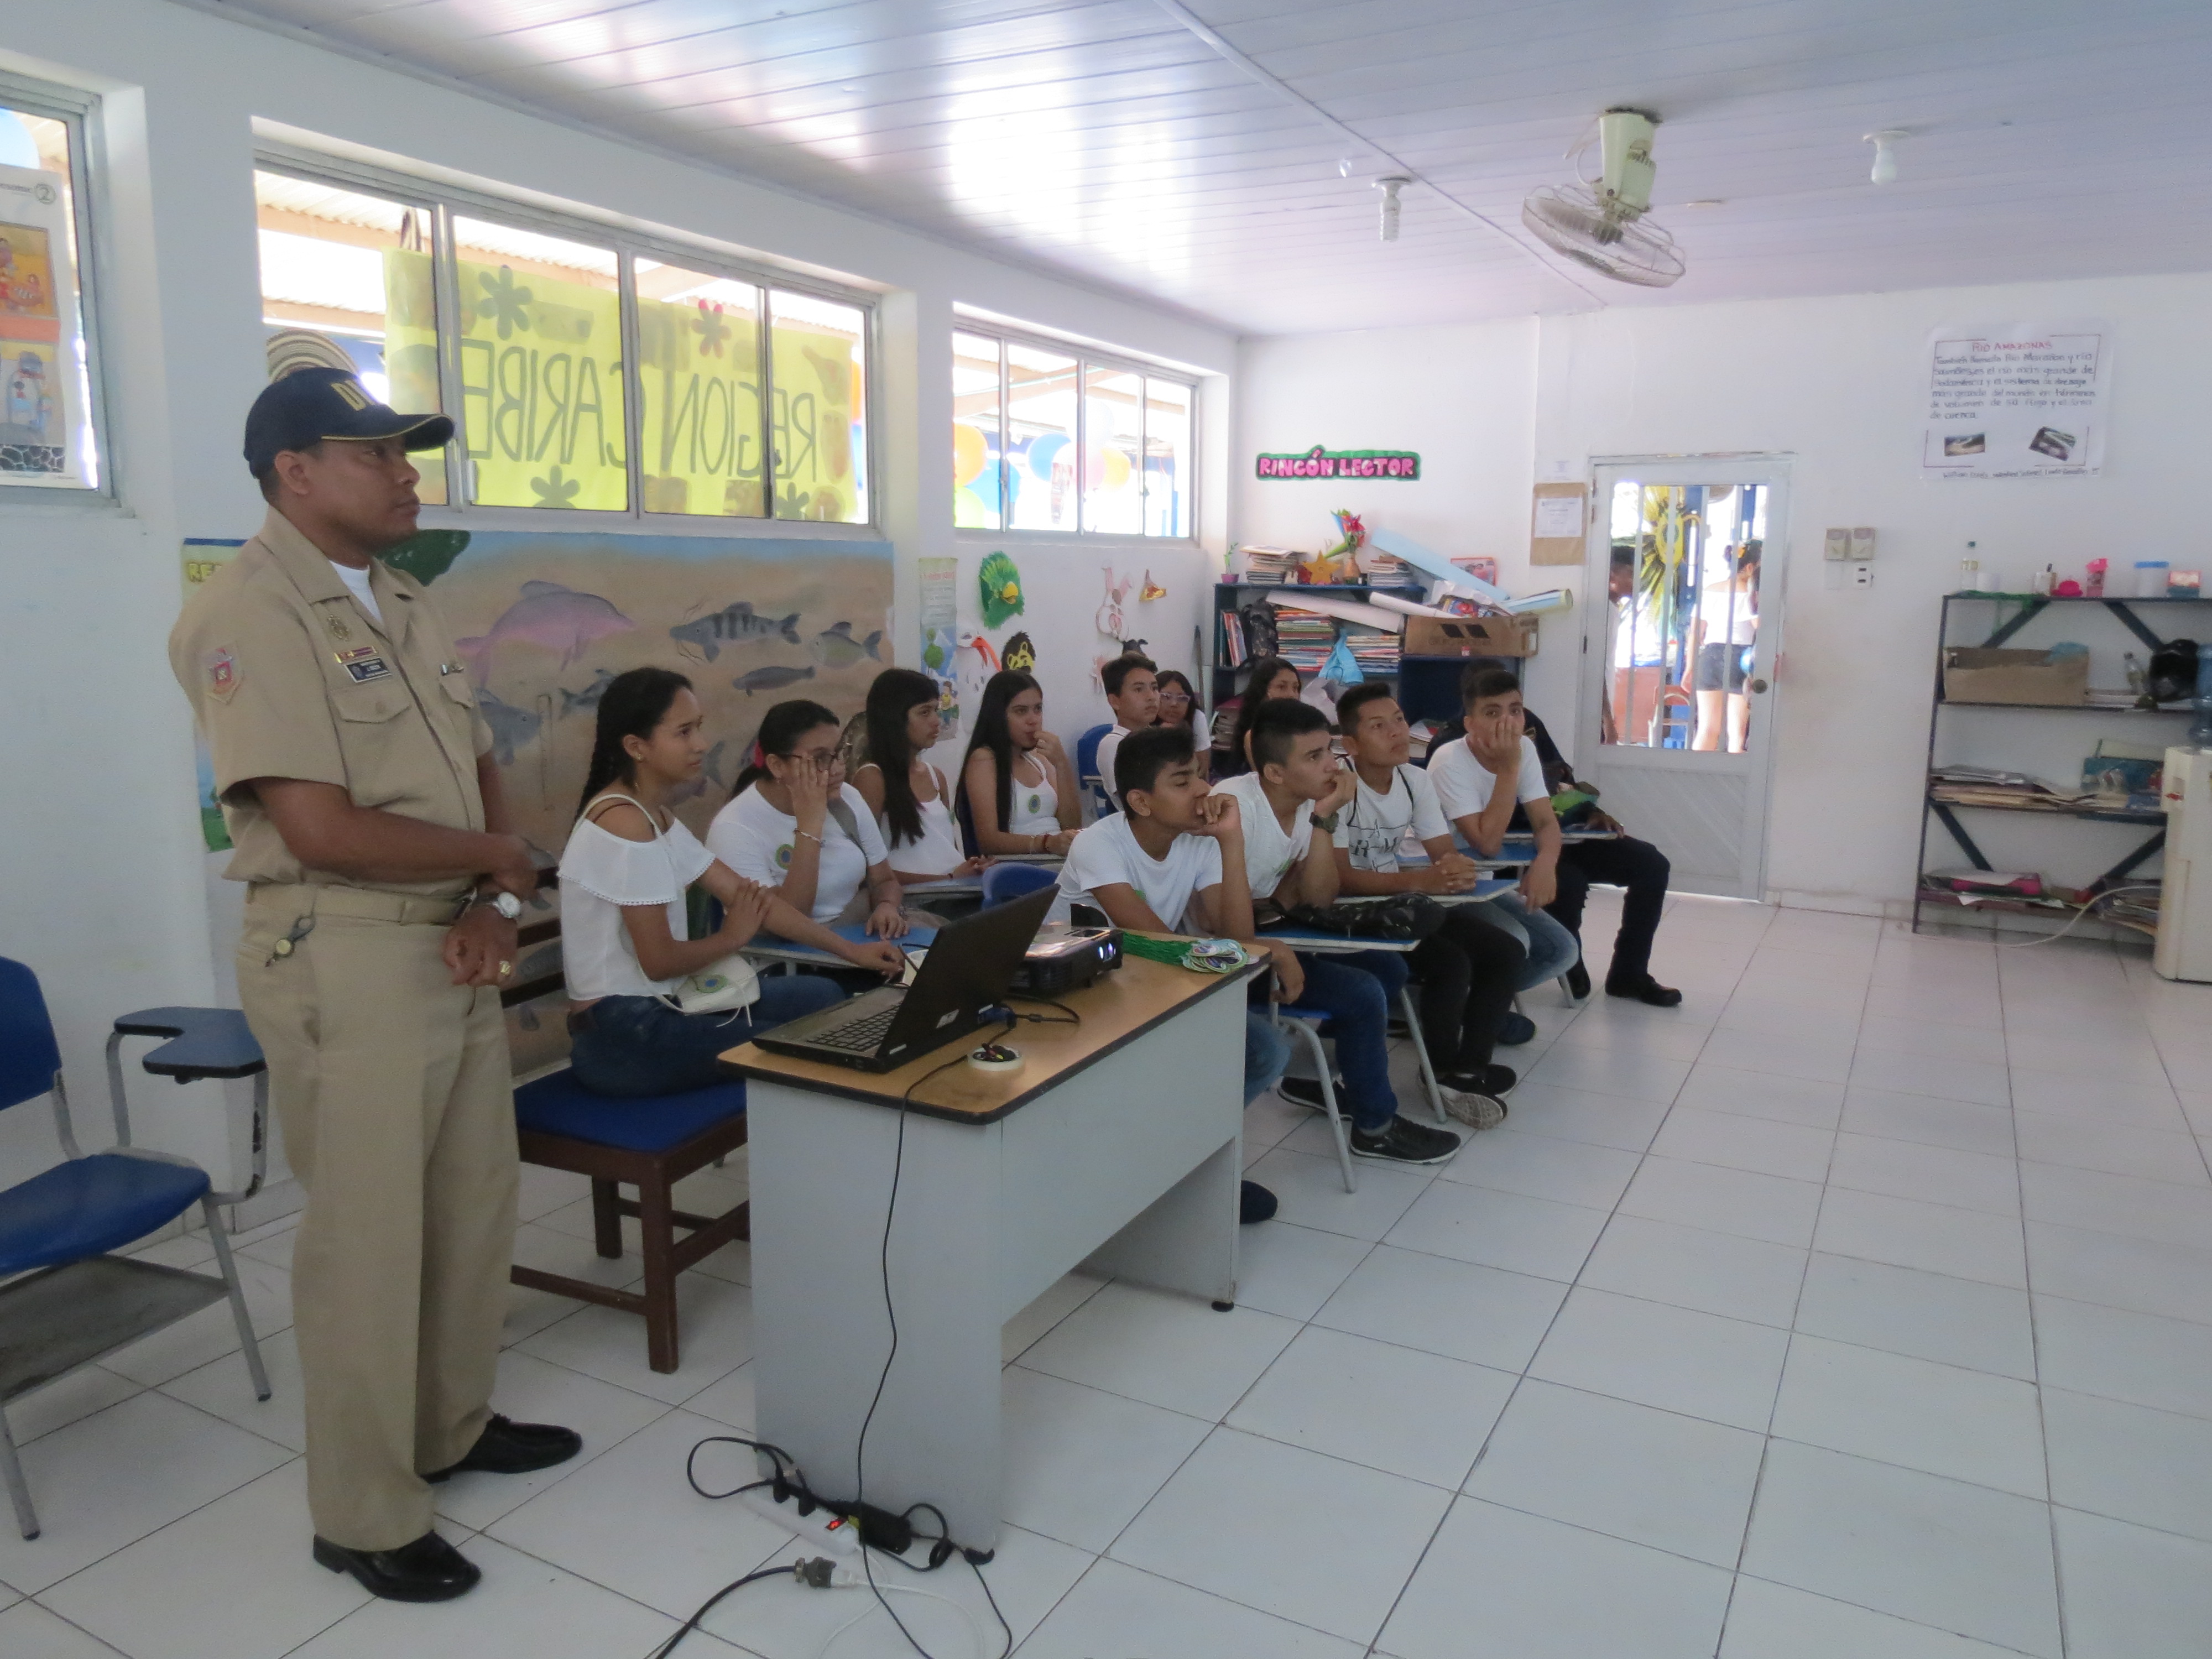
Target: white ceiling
pixel 1191 154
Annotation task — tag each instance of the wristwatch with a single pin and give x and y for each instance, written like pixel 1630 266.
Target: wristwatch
pixel 505 903
pixel 1327 824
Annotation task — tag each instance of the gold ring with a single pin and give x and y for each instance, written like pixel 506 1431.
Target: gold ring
pixel 505 969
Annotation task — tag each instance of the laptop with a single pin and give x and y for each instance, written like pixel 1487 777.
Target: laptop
pixel 966 973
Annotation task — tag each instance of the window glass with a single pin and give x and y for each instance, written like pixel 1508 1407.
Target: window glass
pixel 1041 403
pixel 1113 413
pixel 46 431
pixel 818 429
pixel 979 479
pixel 1167 457
pixel 540 359
pixel 699 343
pixel 346 283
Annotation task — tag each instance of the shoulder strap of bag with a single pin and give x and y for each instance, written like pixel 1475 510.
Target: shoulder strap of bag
pixel 590 812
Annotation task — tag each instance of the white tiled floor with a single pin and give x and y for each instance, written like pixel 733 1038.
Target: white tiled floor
pixel 1862 1306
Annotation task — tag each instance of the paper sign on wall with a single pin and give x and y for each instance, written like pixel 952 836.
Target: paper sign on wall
pixel 1555 527
pixel 939 613
pixel 2017 400
pixel 42 417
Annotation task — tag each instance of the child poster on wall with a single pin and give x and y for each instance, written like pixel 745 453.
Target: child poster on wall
pixel 42 427
pixel 939 609
pixel 2017 400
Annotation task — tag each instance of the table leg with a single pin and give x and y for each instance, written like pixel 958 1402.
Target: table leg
pixel 1186 1239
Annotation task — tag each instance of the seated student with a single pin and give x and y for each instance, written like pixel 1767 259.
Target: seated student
pixel 1018 779
pixel 1289 805
pixel 1272 677
pixel 1635 866
pixel 793 823
pixel 1469 969
pixel 625 944
pixel 1170 854
pixel 1132 691
pixel 908 797
pixel 1465 773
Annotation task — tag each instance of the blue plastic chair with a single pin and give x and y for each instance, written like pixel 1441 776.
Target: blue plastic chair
pixel 76 1302
pixel 1002 882
pixel 1086 773
pixel 651 1144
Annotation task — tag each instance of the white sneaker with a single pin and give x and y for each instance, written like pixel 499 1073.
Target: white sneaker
pixel 1476 1111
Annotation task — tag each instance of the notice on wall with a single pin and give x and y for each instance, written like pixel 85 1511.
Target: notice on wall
pixel 43 430
pixel 1555 526
pixel 939 608
pixel 2017 400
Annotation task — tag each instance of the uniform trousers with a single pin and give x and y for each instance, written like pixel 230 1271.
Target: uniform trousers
pixel 392 1088
pixel 1624 862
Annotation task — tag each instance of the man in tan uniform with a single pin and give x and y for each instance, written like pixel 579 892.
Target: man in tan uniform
pixel 354 776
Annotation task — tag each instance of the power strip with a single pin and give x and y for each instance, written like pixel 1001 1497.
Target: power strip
pixel 820 1526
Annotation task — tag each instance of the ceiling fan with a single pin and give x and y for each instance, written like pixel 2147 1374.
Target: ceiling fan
pixel 1605 228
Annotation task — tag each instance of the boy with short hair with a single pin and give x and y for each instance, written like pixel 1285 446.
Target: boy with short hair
pixel 1288 804
pixel 1466 773
pixel 1470 969
pixel 1132 691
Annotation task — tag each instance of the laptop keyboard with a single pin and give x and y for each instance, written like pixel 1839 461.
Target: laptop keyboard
pixel 859 1036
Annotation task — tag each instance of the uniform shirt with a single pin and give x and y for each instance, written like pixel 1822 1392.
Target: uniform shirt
pixel 1374 827
pixel 290 677
pixel 757 841
pixel 1271 852
pixel 1108 853
pixel 1463 783
pixel 1109 746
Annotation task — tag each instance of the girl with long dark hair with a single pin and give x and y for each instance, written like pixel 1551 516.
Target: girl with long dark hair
pixel 625 941
pixel 1271 677
pixel 909 798
pixel 1020 783
pixel 793 823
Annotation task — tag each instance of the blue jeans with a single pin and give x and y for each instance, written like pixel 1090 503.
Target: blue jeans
pixel 640 1045
pixel 1551 949
pixel 1267 1055
pixel 1356 992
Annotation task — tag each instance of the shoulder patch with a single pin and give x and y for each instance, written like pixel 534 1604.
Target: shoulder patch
pixel 223 673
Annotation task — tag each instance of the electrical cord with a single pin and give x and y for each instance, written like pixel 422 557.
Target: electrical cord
pixel 2081 910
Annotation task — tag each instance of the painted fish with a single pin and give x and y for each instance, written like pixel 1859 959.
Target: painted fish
pixel 511 727
pixel 771 679
pixel 733 624
pixel 710 771
pixel 835 647
pixel 589 696
pixel 549 615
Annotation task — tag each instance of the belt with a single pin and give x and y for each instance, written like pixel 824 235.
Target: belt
pixel 356 902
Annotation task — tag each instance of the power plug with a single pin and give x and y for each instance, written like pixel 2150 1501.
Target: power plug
pixel 813 1523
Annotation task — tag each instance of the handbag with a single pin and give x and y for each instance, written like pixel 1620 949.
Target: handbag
pixel 1400 916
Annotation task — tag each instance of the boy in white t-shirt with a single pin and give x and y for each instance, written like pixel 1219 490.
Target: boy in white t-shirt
pixel 1466 773
pixel 1469 970
pixel 1132 691
pixel 1289 803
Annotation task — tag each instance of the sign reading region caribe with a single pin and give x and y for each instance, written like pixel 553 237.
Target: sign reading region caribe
pixel 1319 463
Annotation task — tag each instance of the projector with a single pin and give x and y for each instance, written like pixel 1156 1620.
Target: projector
pixel 1064 958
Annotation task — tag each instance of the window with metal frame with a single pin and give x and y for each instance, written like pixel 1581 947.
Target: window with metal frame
pixel 53 432
pixel 587 369
pixel 1056 438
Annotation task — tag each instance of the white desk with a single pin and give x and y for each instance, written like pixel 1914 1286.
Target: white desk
pixel 1118 1147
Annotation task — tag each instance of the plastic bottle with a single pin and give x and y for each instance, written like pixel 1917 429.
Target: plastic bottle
pixel 2093 578
pixel 2150 578
pixel 2045 580
pixel 2136 684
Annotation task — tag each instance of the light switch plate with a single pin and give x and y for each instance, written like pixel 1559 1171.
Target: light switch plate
pixel 1839 546
pixel 1862 542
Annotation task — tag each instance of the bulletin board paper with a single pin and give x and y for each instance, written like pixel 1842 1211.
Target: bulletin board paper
pixel 1556 521
pixel 2017 400
pixel 43 430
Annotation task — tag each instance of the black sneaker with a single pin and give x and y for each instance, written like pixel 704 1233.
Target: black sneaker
pixel 1400 1142
pixel 1515 1029
pixel 1306 1091
pixel 1254 1203
pixel 1578 980
pixel 1644 988
pixel 1490 1080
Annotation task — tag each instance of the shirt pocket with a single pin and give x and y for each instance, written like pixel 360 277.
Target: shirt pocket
pixel 382 758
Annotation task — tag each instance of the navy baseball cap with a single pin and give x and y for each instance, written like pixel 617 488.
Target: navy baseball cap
pixel 313 405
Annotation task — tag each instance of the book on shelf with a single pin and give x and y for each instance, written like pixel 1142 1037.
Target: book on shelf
pixel 1268 566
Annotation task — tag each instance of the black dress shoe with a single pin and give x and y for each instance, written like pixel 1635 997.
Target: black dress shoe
pixel 1644 989
pixel 1254 1203
pixel 428 1570
pixel 505 1447
pixel 1578 980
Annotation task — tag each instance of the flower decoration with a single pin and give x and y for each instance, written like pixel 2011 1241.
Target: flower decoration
pixel 711 328
pixel 554 490
pixel 503 302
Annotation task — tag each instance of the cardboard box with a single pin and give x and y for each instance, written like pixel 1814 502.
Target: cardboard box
pixel 1471 636
pixel 1971 674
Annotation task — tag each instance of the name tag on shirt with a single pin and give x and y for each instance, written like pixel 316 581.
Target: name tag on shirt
pixel 368 668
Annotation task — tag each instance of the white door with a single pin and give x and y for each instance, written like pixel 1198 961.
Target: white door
pixel 1678 699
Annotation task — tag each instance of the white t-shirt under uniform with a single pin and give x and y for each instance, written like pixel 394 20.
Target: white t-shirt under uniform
pixel 1376 828
pixel 1271 852
pixel 757 841
pixel 1108 853
pixel 1463 783
pixel 602 872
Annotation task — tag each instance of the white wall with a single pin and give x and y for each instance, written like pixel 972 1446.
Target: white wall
pixel 1837 385
pixel 106 897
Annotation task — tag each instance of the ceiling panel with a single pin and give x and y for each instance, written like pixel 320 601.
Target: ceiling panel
pixel 1112 142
